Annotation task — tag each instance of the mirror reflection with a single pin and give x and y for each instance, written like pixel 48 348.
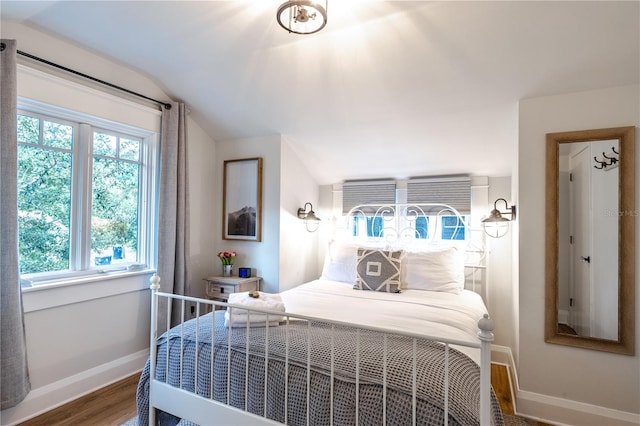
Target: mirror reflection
pixel 588 239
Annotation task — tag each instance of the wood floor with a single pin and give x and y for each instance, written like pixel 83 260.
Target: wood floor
pixel 115 404
pixel 111 405
pixel 500 383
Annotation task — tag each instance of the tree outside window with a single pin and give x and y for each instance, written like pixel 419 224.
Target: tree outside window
pixel 54 234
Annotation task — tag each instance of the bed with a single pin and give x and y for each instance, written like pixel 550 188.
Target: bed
pixel 389 334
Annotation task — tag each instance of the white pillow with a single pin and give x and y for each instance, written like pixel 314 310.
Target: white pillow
pixel 340 262
pixel 438 269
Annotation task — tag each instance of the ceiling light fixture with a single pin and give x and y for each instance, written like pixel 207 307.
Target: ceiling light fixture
pixel 303 16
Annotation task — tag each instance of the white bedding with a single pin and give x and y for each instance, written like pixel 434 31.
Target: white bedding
pixel 435 314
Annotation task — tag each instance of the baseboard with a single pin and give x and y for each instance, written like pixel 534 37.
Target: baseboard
pixel 557 411
pixel 46 398
pixel 566 412
pixel 501 355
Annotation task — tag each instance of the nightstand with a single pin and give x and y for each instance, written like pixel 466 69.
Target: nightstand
pixel 219 288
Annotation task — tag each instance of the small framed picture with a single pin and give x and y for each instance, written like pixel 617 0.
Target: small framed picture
pixel 242 199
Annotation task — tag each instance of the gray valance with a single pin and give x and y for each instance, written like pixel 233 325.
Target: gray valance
pixel 452 190
pixel 359 192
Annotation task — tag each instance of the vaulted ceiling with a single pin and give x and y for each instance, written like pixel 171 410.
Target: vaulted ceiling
pixel 386 89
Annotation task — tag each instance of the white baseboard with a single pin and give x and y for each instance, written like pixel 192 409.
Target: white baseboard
pixel 46 398
pixel 502 355
pixel 558 411
pixel 561 411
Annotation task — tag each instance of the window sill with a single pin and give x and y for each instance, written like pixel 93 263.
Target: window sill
pixel 80 289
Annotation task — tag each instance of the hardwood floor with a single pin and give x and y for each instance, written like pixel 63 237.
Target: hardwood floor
pixel 111 405
pixel 116 403
pixel 502 388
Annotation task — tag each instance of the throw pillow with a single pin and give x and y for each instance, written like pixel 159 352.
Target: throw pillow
pixel 378 270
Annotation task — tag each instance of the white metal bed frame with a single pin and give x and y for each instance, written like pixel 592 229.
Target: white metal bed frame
pixel 198 409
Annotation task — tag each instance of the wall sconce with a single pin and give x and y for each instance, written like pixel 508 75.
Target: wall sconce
pixel 311 221
pixel 495 225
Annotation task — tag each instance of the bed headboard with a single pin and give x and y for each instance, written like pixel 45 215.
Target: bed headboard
pixel 405 223
pixel 416 226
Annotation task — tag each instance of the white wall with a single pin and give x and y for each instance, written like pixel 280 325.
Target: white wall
pixel 561 383
pixel 202 207
pixel 262 256
pixel 287 254
pixel 298 247
pixel 501 284
pixel 80 338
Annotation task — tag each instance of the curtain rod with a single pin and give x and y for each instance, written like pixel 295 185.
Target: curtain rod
pixel 97 80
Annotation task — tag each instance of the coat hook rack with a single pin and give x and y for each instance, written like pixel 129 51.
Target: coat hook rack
pixel 608 162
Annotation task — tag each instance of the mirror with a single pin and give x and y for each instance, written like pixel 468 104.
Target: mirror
pixel 590 233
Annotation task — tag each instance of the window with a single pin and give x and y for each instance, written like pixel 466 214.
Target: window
pixel 84 196
pixel 115 198
pixel 423 223
pixel 454 191
pixel 422 227
pixel 370 226
pixel 447 227
pixel 453 228
pixel 45 152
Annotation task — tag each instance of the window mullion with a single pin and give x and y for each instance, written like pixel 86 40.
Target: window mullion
pixel 81 207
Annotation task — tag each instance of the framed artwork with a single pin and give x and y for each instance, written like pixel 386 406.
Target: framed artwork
pixel 242 199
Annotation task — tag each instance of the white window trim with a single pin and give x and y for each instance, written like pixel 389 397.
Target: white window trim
pixel 147 209
pixel 67 292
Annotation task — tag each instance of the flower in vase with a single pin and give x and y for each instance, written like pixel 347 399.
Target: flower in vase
pixel 227 257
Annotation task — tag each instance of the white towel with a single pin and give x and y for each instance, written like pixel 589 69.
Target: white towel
pixel 239 317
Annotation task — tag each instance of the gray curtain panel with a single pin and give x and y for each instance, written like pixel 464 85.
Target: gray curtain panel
pixel 14 372
pixel 173 215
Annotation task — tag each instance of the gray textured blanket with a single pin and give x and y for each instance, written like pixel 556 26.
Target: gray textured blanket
pixel 464 375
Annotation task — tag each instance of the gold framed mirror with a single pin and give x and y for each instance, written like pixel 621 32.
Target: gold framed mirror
pixel 590 239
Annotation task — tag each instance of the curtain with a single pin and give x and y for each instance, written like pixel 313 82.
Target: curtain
pixel 173 211
pixel 14 373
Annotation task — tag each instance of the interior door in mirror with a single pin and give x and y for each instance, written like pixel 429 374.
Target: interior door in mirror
pixel 590 239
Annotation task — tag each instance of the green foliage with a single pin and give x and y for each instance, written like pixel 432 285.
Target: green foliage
pixel 45 196
pixel 115 204
pixel 44 206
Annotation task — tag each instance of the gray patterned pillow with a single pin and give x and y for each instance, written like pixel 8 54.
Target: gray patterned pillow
pixel 378 270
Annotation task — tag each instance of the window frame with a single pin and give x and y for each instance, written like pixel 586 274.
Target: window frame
pixel 80 268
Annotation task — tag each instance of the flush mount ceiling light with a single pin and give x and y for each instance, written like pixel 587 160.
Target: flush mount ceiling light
pixel 303 16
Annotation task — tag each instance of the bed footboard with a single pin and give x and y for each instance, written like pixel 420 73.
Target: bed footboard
pixel 309 371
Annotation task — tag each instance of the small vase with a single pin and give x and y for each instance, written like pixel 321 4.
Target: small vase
pixel 227 270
